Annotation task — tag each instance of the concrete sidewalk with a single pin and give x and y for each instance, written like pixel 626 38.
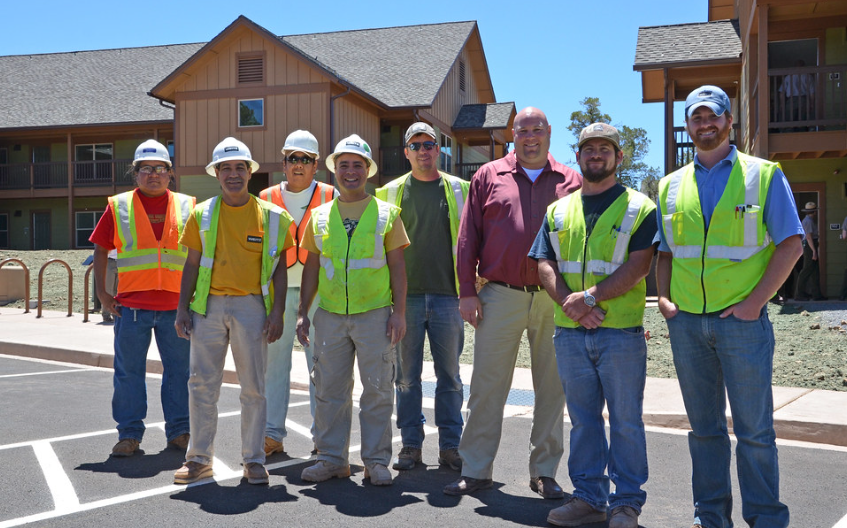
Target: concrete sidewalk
pixel 800 414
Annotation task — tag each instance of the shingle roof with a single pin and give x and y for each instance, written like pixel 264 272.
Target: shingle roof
pixel 398 66
pixel 682 43
pixel 491 115
pixel 86 87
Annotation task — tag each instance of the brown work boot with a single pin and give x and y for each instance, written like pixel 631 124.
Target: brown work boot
pixel 450 458
pixel 180 442
pixel 407 458
pixel 272 446
pixel 323 470
pixel 575 512
pixel 255 473
pixel 125 447
pixel 623 517
pixel 192 472
pixel 379 475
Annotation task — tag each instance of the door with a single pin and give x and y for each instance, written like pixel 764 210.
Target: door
pixel 41 230
pixel 41 165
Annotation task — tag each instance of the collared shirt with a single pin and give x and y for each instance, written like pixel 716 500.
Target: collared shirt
pixel 711 184
pixel 503 213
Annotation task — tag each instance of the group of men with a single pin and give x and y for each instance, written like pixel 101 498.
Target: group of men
pixel 528 245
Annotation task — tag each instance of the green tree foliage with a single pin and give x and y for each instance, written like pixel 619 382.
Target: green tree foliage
pixel 634 144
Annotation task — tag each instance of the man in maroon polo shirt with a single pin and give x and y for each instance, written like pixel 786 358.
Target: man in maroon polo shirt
pixel 505 208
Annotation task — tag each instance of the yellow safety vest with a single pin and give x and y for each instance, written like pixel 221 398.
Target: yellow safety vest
pixel 716 269
pixel 354 276
pixel 275 222
pixel 456 191
pixel 585 263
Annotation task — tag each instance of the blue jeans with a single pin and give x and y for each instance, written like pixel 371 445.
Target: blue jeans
pixel 712 354
pixel 278 375
pixel 597 367
pixel 133 332
pixel 438 316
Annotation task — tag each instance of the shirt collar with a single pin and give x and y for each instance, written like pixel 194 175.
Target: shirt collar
pixel 731 157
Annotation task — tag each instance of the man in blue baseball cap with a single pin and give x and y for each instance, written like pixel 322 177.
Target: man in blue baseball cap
pixel 730 236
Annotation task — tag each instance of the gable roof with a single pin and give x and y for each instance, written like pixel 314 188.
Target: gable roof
pixel 87 87
pixel 397 66
pixel 661 46
pixel 485 116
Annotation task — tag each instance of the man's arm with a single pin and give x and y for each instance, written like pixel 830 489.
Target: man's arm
pixel 397 270
pixel 811 242
pixel 467 254
pixel 664 267
pixel 780 266
pixel 555 286
pixel 625 277
pixel 101 261
pixel 186 291
pixel 274 323
pixel 308 290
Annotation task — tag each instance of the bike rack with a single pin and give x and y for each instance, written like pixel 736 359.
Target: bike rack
pixel 26 278
pixel 70 285
pixel 85 301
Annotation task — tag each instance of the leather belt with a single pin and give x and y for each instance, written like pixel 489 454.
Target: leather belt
pixel 528 289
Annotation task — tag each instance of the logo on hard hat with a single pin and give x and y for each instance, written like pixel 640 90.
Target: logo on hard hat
pixel 353 144
pixel 148 150
pixel 230 149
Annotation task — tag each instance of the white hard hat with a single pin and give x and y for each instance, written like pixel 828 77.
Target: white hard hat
pixel 230 149
pixel 352 145
pixel 151 150
pixel 301 141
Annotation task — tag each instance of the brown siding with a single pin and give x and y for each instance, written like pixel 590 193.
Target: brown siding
pixel 354 118
pixel 450 98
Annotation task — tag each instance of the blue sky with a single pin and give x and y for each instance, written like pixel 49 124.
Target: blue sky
pixel 550 53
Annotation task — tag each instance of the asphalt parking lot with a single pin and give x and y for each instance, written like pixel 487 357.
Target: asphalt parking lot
pixel 57 433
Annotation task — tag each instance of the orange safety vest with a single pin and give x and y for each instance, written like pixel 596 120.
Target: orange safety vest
pixel 322 194
pixel 145 263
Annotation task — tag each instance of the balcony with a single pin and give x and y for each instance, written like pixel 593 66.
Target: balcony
pixel 808 99
pixel 54 174
pixel 467 170
pixel 684 147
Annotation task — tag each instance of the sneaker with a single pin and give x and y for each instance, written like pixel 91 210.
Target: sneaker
pixel 192 472
pixel 324 470
pixel 272 446
pixel 450 458
pixel 125 447
pixel 575 512
pixel 623 517
pixel 255 473
pixel 180 442
pixel 408 457
pixel 379 475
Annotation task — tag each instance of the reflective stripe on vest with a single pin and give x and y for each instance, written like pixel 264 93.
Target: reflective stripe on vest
pixel 321 194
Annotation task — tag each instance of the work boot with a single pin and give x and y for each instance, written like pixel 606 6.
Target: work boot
pixel 379 475
pixel 255 473
pixel 575 512
pixel 272 446
pixel 408 457
pixel 126 447
pixel 180 442
pixel 450 458
pixel 323 470
pixel 192 472
pixel 623 517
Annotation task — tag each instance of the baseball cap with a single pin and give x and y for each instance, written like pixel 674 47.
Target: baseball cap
pixel 420 128
pixel 708 95
pixel 600 130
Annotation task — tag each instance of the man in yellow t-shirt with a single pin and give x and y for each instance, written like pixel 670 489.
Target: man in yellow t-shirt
pixel 236 293
pixel 356 263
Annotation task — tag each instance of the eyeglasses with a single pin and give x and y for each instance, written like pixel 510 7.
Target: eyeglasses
pixel 148 170
pixel 305 160
pixel 427 145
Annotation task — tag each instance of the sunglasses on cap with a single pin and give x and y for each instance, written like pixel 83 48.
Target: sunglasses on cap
pixel 426 145
pixel 305 160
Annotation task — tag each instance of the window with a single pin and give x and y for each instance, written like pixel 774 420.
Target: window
pixel 86 221
pixel 445 160
pixel 171 149
pixel 251 112
pixel 4 230
pixel 98 167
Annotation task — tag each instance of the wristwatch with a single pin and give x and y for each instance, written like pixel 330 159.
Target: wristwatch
pixel 589 299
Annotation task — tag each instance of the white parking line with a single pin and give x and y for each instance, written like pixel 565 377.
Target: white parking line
pixel 64 494
pixel 842 523
pixel 47 372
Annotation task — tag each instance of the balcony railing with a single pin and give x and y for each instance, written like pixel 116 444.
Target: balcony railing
pixel 54 174
pixel 808 98
pixel 393 161
pixel 684 147
pixel 467 170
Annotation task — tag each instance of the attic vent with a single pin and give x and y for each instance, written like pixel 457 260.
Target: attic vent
pixel 251 69
pixel 462 75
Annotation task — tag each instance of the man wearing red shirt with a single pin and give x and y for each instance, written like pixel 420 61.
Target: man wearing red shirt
pixel 148 218
pixel 505 208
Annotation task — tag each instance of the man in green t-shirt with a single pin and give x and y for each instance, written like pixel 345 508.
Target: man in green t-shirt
pixel 431 203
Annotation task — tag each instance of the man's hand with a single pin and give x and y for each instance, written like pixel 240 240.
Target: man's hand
pixel 668 308
pixel 183 323
pixel 745 310
pixel 303 325
pixel 396 327
pixel 592 319
pixel 575 307
pixel 471 310
pixel 273 325
pixel 110 305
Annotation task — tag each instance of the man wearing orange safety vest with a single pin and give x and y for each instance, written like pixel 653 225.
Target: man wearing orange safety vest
pixel 144 226
pixel 298 195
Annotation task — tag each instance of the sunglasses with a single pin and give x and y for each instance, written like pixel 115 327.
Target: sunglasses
pixel 148 170
pixel 426 145
pixel 305 160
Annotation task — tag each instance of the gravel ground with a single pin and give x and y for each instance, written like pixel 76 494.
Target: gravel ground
pixel 811 338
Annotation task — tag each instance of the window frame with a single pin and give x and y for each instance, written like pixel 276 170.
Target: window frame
pixel 261 125
pixel 445 157
pixel 6 231
pixel 97 215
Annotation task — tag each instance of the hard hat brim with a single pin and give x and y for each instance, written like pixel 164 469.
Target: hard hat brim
pixel 330 161
pixel 210 168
